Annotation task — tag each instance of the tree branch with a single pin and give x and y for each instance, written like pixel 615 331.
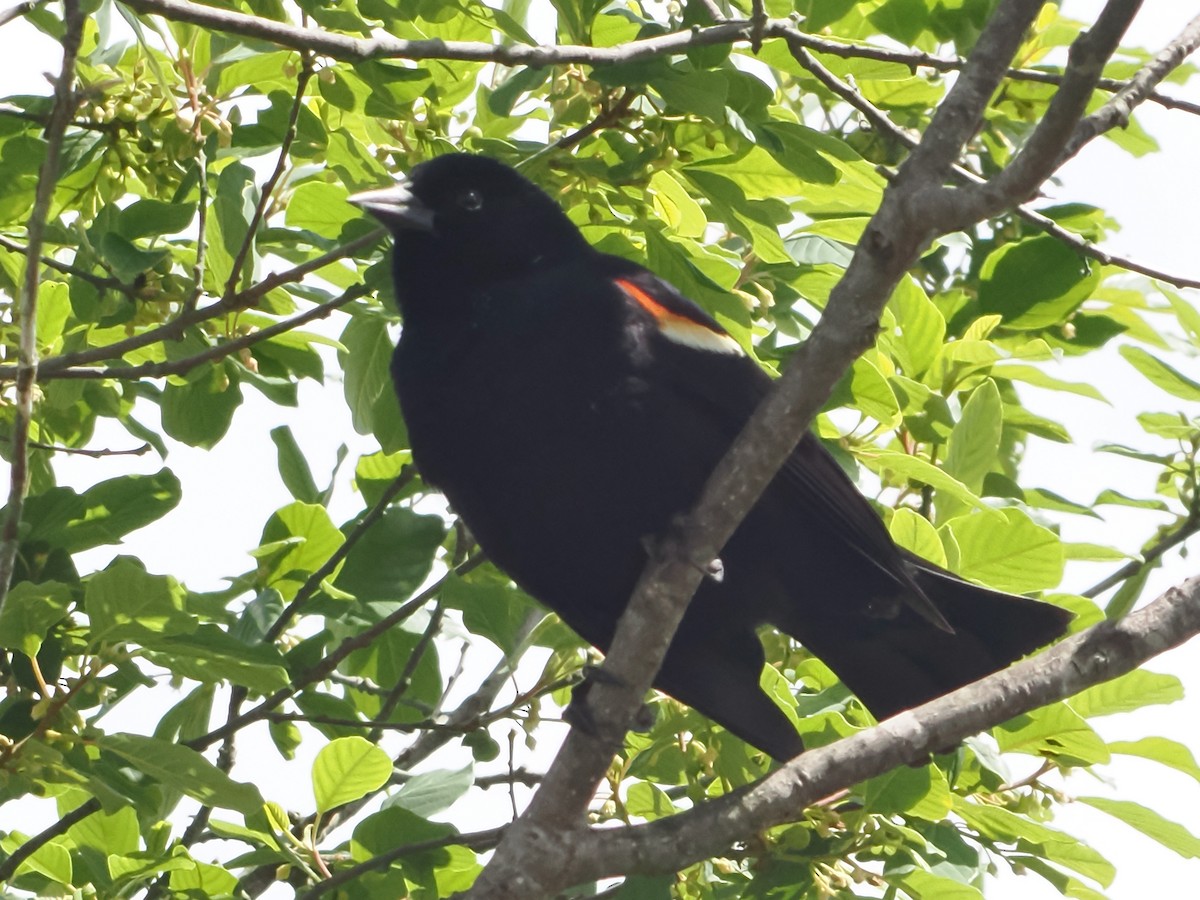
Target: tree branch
pixel 175 329
pixel 964 176
pixel 893 240
pixel 27 354
pixel 1117 111
pixel 956 208
pixel 215 352
pixel 1100 653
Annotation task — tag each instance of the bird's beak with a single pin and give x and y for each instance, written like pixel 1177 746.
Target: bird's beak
pixel 396 207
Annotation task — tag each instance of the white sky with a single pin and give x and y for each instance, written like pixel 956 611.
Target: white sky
pixel 1156 202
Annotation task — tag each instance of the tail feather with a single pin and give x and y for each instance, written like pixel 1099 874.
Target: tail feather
pixel 901 663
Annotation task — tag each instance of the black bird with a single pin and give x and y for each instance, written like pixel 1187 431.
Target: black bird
pixel 570 404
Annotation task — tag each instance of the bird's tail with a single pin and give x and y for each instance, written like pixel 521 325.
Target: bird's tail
pixel 900 663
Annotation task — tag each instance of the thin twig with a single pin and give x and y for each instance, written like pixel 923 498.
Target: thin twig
pixel 101 282
pixel 175 328
pixel 91 454
pixel 1165 543
pixel 217 351
pixel 328 663
pixel 268 189
pixel 21 9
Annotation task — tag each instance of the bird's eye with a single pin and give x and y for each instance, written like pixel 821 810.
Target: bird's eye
pixel 471 200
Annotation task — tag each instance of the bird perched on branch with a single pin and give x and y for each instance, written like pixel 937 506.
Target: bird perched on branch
pixel 570 404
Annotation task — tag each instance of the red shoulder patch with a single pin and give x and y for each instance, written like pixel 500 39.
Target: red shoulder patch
pixel 679 327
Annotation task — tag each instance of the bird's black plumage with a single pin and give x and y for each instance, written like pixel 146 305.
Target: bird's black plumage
pixel 570 403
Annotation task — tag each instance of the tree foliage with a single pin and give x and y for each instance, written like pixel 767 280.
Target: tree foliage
pixel 181 205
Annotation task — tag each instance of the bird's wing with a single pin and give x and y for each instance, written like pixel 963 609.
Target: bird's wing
pixel 705 366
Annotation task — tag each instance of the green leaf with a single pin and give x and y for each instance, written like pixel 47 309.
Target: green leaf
pixel 29 612
pixel 997 824
pixel 865 388
pixel 293 467
pixel 675 206
pixel 1064 280
pixel 320 208
pixel 393 558
pixel 922 885
pixel 348 769
pixel 1055 731
pixel 1011 553
pixel 1160 374
pixel 433 792
pixel 125 602
pixel 202 879
pixel 975 441
pixel 1170 834
pixel 920 325
pixel 1161 750
pixel 365 363
pixel 210 655
pixel 922 792
pixel 126 259
pixel 52 859
pixel 698 92
pixel 199 412
pixel 907 466
pixel 914 532
pixel 491 606
pixel 392 827
pixel 184 770
pixel 150 218
pixel 308 537
pixel 232 206
pixel 648 800
pixel 1131 691
pixel 102 514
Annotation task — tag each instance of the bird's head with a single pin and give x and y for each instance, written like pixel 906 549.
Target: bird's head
pixel 462 221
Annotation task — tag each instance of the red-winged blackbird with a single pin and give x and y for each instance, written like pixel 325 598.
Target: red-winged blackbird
pixel 570 404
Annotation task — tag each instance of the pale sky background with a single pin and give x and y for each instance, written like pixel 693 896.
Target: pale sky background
pixel 1154 199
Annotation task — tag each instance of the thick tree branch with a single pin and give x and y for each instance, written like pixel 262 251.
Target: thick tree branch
pixel 1098 654
pixel 955 208
pixel 27 353
pixel 892 241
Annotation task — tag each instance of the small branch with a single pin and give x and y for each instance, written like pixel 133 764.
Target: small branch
pixel 330 662
pixel 27 354
pixel 1167 542
pixel 268 189
pixel 101 282
pixel 1117 111
pixel 91 454
pixel 605 119
pixel 176 328
pixel 215 352
pixel 21 9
